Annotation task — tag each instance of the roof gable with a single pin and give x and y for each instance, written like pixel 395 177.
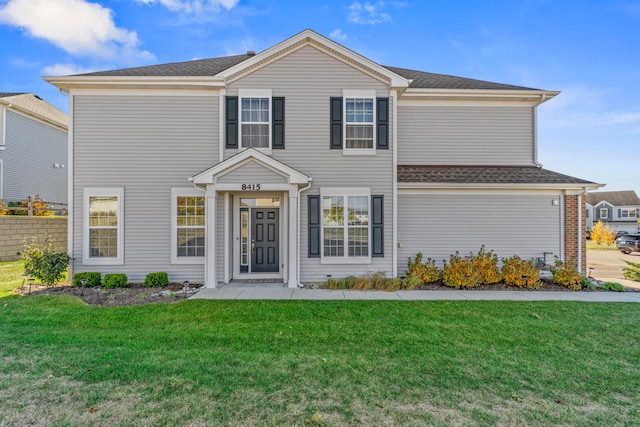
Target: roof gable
pixel 614 198
pixel 36 107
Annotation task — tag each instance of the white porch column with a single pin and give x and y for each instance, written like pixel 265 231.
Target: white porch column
pixel 293 239
pixel 210 247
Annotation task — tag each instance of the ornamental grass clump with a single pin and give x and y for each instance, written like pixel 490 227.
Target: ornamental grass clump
pixel 459 272
pixel 566 274
pixel 486 265
pixel 520 273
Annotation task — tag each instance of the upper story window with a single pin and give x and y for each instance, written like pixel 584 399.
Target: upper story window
pixel 604 213
pixel 359 122
pixel 627 213
pixel 359 113
pixel 254 119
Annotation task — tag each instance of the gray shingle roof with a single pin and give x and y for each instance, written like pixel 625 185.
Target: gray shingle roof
pixel 213 66
pixel 616 198
pixel 36 106
pixel 197 68
pixel 424 80
pixel 484 175
pixel 7 94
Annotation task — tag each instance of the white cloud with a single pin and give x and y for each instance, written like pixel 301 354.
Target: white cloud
pixel 66 70
pixel 337 34
pixel 367 13
pixel 193 6
pixel 76 26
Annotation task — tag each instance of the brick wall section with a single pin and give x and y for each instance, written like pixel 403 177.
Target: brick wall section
pixel 14 230
pixel 571 231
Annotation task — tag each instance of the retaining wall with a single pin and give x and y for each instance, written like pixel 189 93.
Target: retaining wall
pixel 15 230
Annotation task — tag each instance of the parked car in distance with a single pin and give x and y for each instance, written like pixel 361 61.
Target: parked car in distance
pixel 628 243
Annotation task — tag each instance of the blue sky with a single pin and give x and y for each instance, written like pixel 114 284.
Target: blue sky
pixel 589 50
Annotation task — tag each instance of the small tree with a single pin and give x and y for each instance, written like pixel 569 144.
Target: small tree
pixel 601 233
pixel 45 264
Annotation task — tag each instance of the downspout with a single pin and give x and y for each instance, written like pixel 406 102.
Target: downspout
pixel 580 233
pixel 300 190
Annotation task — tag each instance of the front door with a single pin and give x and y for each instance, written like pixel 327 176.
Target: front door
pixel 264 240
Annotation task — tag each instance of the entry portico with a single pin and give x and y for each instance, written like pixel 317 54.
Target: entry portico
pixel 252 224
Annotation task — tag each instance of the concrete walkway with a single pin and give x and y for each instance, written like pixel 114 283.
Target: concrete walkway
pixel 279 292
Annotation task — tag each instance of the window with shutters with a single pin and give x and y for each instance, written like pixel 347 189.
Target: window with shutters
pixel 627 213
pixel 345 227
pixel 359 123
pixel 255 118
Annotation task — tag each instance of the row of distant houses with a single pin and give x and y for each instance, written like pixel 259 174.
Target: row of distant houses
pixel 620 210
pixel 298 163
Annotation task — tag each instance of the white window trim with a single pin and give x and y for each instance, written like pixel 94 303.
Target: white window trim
pixel 1 178
pixel 345 192
pixel 3 128
pixel 631 213
pixel 175 193
pixel 606 213
pixel 255 93
pixel 103 192
pixel 351 93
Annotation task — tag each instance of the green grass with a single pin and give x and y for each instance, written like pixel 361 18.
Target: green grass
pixel 10 277
pixel 319 363
pixel 593 246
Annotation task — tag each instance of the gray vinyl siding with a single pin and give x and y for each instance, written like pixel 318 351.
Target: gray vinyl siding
pixel 438 225
pixel 146 145
pixel 252 173
pixel 307 79
pixel 465 135
pixel 31 149
pixel 610 212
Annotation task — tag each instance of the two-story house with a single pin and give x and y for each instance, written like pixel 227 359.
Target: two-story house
pixel 304 161
pixel 33 148
pixel 620 210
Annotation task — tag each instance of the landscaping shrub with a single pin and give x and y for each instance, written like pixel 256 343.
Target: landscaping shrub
pixel 411 282
pixel 585 283
pixel 93 279
pixel 612 286
pixel 115 280
pixel 632 272
pixel 460 273
pixel 427 272
pixel 601 233
pixel 346 283
pixel 486 265
pixel 156 280
pixel 45 264
pixel 520 273
pixel 566 274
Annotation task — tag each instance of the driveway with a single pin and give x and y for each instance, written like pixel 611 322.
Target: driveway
pixel 607 266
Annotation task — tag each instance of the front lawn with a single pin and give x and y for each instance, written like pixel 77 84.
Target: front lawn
pixel 319 363
pixel 593 246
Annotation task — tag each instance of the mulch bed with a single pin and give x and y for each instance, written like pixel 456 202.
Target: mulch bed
pixel 133 294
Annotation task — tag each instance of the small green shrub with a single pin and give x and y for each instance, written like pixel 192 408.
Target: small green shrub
pixel 520 273
pixel 460 273
pixel 566 274
pixel 585 283
pixel 45 264
pixel 486 264
pixel 93 279
pixel 114 280
pixel 156 280
pixel 612 286
pixel 632 272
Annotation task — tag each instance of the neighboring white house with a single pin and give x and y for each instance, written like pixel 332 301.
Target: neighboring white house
pixel 620 210
pixel 33 148
pixel 303 161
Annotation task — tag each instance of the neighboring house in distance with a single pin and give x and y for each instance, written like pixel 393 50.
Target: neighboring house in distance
pixel 620 210
pixel 33 149
pixel 304 161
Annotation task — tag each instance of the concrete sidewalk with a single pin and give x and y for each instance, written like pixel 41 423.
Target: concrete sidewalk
pixel 279 292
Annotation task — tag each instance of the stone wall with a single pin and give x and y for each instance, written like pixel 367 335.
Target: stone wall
pixel 15 230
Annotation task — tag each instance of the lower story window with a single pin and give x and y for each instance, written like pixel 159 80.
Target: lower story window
pixel 188 218
pixel 345 225
pixel 103 226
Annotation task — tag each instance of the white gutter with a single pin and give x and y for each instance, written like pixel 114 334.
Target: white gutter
pixel 394 189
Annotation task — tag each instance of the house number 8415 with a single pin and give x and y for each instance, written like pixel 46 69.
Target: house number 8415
pixel 250 187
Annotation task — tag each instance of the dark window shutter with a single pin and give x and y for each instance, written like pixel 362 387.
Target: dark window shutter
pixel 619 213
pixel 314 226
pixel 277 121
pixel 382 124
pixel 336 122
pixel 377 226
pixel 232 122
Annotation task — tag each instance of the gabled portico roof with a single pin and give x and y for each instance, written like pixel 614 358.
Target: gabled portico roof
pixel 208 176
